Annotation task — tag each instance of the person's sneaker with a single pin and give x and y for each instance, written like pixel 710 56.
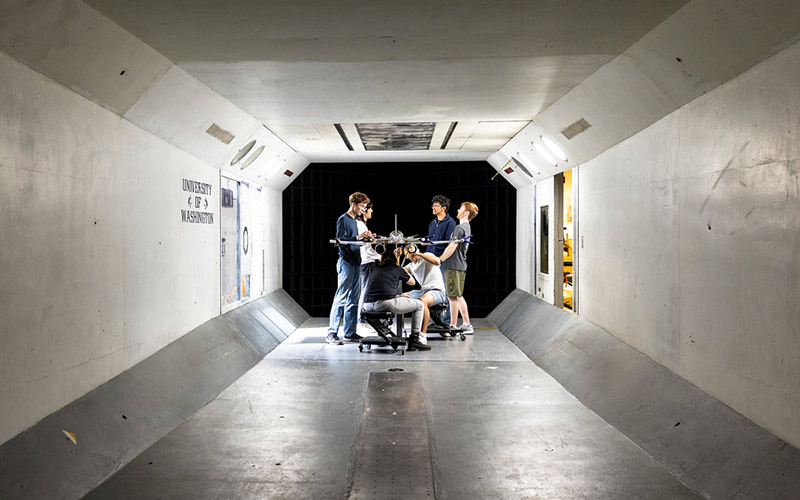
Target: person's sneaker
pixel 353 338
pixel 333 339
pixel 445 334
pixel 467 329
pixel 415 344
pixel 454 330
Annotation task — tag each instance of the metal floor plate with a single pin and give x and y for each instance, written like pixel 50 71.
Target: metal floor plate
pixel 393 457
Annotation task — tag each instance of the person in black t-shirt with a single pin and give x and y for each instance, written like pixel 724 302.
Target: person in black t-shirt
pixel 382 295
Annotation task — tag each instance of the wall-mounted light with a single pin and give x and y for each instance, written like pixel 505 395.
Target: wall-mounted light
pixel 527 161
pixel 544 153
pixel 253 157
pixel 554 148
pixel 242 152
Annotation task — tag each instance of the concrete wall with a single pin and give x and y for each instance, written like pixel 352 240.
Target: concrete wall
pixel 691 243
pixel 98 270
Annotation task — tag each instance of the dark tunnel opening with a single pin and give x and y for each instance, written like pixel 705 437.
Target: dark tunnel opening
pixel 313 202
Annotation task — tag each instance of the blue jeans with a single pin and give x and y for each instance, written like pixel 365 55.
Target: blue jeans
pixel 345 302
pixel 439 297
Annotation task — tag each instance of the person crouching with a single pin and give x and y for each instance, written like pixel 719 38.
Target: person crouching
pixel 383 295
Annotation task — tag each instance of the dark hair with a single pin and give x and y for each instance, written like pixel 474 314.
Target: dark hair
pixel 441 200
pixel 387 259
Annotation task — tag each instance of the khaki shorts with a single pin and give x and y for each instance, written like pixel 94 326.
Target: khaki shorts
pixel 454 282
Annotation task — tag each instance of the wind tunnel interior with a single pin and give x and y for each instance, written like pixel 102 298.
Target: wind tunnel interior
pixel 688 176
pixel 313 202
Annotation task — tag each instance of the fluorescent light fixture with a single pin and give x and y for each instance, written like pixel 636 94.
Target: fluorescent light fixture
pixel 554 148
pixel 522 167
pixel 544 153
pixel 250 159
pixel 243 152
pixel 530 162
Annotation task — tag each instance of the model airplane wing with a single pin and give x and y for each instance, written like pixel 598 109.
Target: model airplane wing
pixel 346 242
pixel 379 240
pixel 465 239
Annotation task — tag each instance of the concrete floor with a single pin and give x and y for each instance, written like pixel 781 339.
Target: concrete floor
pixel 296 426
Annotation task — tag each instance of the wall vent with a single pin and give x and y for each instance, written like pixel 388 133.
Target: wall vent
pixel 219 133
pixel 576 128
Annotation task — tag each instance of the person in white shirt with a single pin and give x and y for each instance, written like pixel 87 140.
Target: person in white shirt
pixel 424 268
pixel 369 257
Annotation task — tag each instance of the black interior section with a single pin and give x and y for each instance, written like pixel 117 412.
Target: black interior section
pixel 313 202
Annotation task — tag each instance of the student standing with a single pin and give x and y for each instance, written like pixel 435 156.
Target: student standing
pixel 348 290
pixel 440 229
pixel 455 263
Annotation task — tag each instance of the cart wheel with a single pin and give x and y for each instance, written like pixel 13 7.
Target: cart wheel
pixel 463 337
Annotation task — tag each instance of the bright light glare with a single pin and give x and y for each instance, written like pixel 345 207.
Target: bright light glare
pixel 554 148
pixel 544 153
pixel 529 162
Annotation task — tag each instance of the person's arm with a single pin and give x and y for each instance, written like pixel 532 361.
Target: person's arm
pixel 410 281
pixel 345 231
pixel 451 248
pixel 432 258
pixel 342 231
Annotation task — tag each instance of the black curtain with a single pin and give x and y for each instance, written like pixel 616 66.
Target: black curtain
pixel 313 202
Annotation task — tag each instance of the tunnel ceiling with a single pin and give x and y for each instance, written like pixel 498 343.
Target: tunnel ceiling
pixel 316 73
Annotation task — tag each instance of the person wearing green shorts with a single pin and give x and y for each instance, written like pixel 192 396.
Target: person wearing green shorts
pixel 454 258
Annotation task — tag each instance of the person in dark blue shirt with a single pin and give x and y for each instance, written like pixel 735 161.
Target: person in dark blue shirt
pixel 440 229
pixel 348 290
pixel 442 225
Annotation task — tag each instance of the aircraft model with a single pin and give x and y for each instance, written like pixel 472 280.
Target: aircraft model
pixel 398 239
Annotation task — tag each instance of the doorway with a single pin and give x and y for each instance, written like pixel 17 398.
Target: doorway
pixel 241 245
pixel 568 239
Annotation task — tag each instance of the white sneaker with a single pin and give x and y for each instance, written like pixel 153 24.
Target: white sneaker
pixel 467 329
